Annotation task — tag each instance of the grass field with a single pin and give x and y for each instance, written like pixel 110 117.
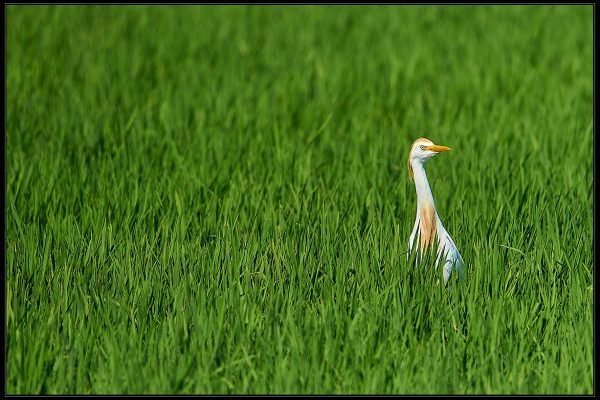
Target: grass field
pixel 215 199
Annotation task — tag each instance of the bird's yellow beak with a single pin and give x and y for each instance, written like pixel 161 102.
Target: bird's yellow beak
pixel 438 149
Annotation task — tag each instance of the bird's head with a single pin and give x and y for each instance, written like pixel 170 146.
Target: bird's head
pixel 422 150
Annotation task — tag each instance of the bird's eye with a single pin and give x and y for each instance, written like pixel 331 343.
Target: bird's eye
pixel 422 147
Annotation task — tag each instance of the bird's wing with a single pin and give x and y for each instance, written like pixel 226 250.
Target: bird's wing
pixel 452 260
pixel 414 235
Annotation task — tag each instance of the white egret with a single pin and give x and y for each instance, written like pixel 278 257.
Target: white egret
pixel 428 228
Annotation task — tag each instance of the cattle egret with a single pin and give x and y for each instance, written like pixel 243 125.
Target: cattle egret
pixel 428 228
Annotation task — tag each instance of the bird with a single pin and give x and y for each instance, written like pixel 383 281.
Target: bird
pixel 428 231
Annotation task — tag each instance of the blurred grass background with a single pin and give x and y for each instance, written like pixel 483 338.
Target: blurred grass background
pixel 214 199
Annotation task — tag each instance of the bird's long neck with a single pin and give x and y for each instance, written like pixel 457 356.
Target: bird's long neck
pixel 424 196
pixel 426 213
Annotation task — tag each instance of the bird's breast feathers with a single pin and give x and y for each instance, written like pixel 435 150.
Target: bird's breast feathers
pixel 427 226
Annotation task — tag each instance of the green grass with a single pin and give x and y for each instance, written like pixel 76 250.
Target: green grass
pixel 215 199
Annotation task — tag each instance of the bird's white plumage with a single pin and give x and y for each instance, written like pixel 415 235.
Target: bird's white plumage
pixel 428 230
